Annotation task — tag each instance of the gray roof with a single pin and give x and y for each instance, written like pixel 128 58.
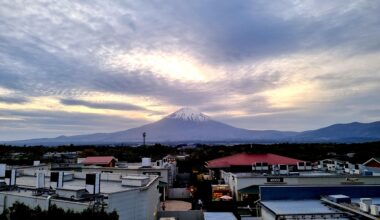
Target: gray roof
pixel 106 187
pixel 288 207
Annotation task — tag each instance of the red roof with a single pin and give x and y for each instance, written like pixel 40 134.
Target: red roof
pixel 245 159
pixel 98 160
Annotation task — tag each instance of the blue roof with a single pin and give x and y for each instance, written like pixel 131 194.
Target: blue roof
pixel 315 192
pixel 288 207
pixel 219 215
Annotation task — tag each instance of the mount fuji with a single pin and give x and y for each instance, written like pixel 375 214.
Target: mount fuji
pixel 184 125
pixel 188 125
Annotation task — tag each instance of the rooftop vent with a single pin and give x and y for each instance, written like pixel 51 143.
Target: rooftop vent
pixel 56 179
pixel 10 177
pixel 339 198
pixel 93 183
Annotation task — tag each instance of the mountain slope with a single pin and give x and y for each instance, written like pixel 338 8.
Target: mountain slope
pixel 351 132
pixel 189 125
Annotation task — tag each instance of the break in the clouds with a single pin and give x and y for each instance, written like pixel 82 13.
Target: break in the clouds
pixel 98 66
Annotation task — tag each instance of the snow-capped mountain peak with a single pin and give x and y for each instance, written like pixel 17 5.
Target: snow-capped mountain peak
pixel 189 114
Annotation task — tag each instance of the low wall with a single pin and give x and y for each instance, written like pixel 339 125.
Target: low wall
pixel 182 215
pixel 178 193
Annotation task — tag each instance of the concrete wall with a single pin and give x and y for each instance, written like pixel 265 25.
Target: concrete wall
pixel 164 173
pixel 178 193
pixel 31 170
pixel 266 214
pixel 136 204
pixel 182 215
pixel 7 200
pixel 103 176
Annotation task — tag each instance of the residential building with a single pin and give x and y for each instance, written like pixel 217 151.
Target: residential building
pixel 103 161
pixel 245 162
pixel 373 162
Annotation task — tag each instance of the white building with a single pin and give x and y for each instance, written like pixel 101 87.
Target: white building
pixel 134 197
pixel 247 184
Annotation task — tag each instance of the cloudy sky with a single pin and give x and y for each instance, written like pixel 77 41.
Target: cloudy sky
pixel 75 67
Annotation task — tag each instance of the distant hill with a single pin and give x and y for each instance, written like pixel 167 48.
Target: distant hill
pixel 189 125
pixel 352 132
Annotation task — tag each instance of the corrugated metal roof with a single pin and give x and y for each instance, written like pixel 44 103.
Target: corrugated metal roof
pixel 98 160
pixel 288 207
pixel 245 159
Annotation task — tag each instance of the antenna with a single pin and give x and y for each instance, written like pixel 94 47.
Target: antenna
pixel 144 136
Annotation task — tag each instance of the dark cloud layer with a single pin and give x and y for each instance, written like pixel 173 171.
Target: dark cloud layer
pixel 13 100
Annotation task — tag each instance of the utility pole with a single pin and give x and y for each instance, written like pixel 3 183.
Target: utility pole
pixel 144 136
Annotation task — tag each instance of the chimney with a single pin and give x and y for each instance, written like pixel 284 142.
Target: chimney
pixel 93 183
pixel 10 177
pixel 56 179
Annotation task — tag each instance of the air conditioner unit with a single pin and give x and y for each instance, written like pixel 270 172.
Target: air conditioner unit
pixel 308 166
pixel 284 169
pixel 364 207
pixel 258 166
pixel 374 210
pixel 264 166
pixel 301 166
pixel 261 166
pixel 367 201
pixel 365 204
pixel 146 162
pixel 275 169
